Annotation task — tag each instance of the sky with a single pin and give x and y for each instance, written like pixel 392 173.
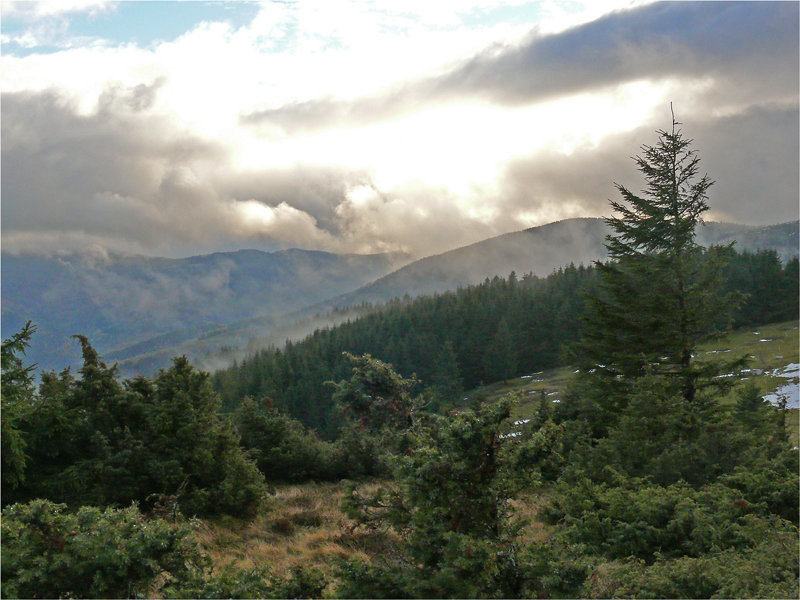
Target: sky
pixel 181 128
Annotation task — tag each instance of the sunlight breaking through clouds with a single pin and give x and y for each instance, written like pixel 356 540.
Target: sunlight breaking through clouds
pixel 371 126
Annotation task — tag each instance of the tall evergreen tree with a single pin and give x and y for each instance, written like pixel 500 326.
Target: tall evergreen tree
pixel 658 296
pixel 17 384
pixel 500 361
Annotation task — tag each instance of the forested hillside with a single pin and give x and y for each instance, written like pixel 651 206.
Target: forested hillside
pixel 140 311
pixel 478 334
pixel 541 250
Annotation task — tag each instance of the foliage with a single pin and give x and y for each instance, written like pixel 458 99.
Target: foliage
pixel 771 288
pixel 258 582
pixel 375 396
pixel 48 552
pixel 282 448
pixel 96 440
pixel 450 507
pixel 445 339
pixel 540 454
pixel 767 567
pixel 363 580
pixel 660 491
pixel 661 436
pixel 660 295
pixel 17 387
pixel 497 360
pixel 670 493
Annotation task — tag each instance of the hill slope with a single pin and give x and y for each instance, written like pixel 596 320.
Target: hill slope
pixel 541 250
pixel 142 311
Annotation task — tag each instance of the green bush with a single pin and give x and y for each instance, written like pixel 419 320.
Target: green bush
pixel 97 440
pixel 282 447
pixel 258 582
pixel 362 580
pixel 17 388
pixel 48 552
pixel 635 518
pixel 450 508
pixel 767 567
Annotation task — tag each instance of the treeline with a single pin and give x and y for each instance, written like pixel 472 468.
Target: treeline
pixel 454 341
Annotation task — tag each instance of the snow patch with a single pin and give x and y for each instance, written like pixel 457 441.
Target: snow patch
pixel 789 391
pixel 790 370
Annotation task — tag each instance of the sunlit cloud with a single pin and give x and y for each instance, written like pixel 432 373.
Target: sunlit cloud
pixel 373 126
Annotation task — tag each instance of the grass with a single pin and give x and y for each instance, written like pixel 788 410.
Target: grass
pixel 297 525
pixel 302 525
pixel 768 348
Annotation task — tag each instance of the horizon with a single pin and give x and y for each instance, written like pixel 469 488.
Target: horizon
pixel 106 254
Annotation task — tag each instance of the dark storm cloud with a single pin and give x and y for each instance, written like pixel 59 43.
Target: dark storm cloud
pixel 752 40
pixel 127 180
pixel 112 174
pixel 748 48
pixel 752 158
pixel 314 189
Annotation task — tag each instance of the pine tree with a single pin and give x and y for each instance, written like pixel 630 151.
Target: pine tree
pixel 659 296
pixel 17 385
pixel 500 361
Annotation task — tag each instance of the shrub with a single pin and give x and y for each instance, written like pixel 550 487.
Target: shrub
pixel 119 442
pixel 258 582
pixel 48 552
pixel 766 568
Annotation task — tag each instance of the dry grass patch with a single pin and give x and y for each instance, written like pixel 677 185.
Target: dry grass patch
pixel 298 525
pixel 527 507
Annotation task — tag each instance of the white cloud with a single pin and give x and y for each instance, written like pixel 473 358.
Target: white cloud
pixel 378 126
pixel 52 8
pixel 282 223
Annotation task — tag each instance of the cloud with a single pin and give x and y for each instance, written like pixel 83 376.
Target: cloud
pixel 752 158
pixel 694 39
pixel 42 9
pixel 119 177
pixel 255 137
pixel 743 51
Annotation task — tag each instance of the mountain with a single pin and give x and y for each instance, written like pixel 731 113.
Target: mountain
pixel 119 301
pixel 142 311
pixel 541 250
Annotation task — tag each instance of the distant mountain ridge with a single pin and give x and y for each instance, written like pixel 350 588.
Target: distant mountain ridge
pixel 540 250
pixel 118 301
pixel 141 311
